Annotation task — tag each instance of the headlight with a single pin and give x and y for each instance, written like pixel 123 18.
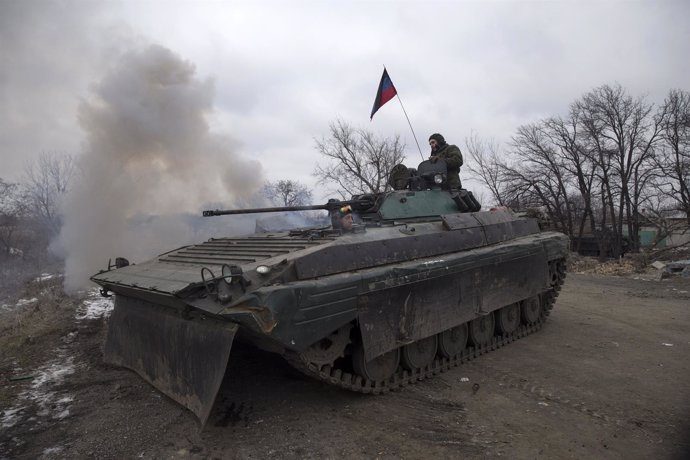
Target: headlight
pixel 263 269
pixel 230 272
pixel 438 179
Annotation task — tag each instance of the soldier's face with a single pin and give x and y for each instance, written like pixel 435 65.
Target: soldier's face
pixel 347 222
pixel 433 144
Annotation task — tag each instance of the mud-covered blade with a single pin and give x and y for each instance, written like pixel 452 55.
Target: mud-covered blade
pixel 184 358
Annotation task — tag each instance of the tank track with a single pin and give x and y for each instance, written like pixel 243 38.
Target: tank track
pixel 350 381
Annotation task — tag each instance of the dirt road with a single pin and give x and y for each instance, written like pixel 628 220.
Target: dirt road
pixel 607 377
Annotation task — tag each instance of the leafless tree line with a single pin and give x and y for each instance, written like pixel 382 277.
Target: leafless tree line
pixel 357 161
pixel 614 163
pixel 287 192
pixel 29 210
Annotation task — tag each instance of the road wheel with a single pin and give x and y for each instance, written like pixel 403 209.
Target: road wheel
pixel 531 310
pixel 508 319
pixel 378 369
pixel 418 354
pixel 481 330
pixel 452 341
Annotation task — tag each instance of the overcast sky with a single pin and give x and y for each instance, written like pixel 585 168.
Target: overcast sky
pixel 280 71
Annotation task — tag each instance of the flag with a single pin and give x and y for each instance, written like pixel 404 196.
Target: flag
pixel 385 93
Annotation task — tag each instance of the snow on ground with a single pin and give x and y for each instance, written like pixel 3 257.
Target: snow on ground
pixel 20 303
pixel 45 277
pixel 51 451
pixel 10 416
pixel 42 400
pixel 50 403
pixel 42 394
pixel 95 306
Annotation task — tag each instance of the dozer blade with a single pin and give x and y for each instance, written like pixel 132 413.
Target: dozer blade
pixel 183 358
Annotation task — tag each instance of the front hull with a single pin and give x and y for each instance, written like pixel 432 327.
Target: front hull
pixel 185 358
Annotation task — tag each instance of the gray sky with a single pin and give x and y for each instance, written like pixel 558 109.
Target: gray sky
pixel 279 72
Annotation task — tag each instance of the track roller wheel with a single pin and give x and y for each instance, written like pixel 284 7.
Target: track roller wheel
pixel 531 310
pixel 452 341
pixel 378 369
pixel 481 330
pixel 508 319
pixel 418 354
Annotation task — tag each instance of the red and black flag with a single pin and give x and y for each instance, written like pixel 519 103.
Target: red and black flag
pixel 385 93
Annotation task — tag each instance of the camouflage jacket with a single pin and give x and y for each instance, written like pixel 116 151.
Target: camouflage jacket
pixel 453 157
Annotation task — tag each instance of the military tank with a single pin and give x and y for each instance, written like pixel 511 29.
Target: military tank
pixel 421 281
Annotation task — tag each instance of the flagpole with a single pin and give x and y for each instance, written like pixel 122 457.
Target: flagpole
pixel 408 122
pixel 383 95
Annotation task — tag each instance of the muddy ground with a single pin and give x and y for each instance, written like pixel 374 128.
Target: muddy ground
pixel 607 377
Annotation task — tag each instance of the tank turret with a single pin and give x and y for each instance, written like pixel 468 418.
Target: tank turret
pixel 420 193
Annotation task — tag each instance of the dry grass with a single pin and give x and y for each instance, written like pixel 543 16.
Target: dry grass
pixel 23 328
pixel 630 264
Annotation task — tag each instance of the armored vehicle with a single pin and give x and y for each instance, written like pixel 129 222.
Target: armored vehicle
pixel 421 281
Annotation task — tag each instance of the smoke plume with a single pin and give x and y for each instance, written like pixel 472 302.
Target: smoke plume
pixel 149 158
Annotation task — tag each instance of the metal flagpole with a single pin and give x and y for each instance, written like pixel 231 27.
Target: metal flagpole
pixel 408 122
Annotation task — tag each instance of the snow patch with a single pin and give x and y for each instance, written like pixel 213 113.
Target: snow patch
pixel 95 306
pixel 10 416
pixel 50 451
pixel 63 414
pixel 22 302
pixel 53 373
pixel 45 277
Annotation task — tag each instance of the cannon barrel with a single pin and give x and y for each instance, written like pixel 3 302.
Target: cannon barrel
pixel 330 206
pixel 225 212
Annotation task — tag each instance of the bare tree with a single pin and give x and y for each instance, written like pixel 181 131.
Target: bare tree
pixel 46 180
pixel 287 193
pixel 600 165
pixel 487 165
pixel 358 160
pixel 673 155
pixel 542 171
pixel 11 211
pixel 622 137
pixel 569 141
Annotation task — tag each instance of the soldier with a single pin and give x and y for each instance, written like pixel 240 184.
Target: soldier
pixel 342 219
pixel 450 154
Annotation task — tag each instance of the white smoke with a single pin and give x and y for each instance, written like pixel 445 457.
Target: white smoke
pixel 148 158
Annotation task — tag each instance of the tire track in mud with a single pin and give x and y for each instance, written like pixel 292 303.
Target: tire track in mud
pixel 537 391
pixel 421 415
pixel 576 402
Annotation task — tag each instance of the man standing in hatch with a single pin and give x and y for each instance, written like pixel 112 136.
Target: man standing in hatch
pixel 451 154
